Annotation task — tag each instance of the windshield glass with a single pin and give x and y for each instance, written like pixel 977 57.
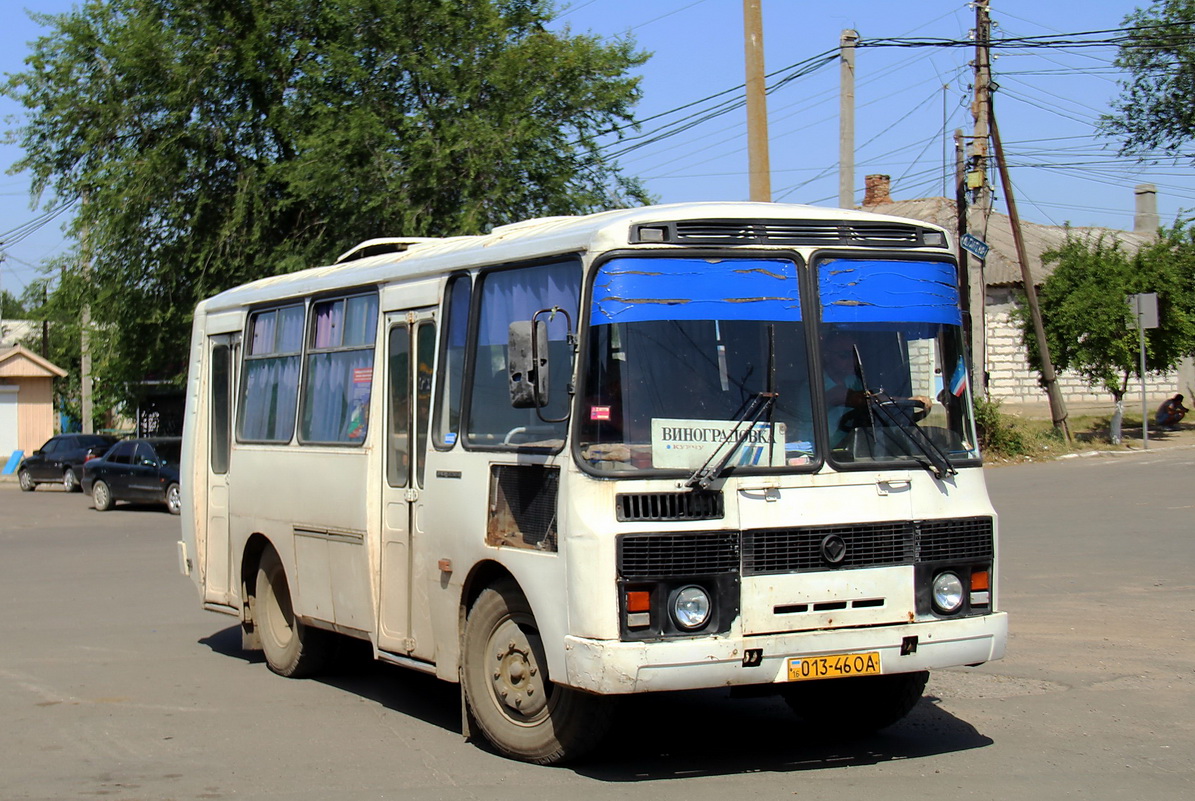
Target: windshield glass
pixel 682 354
pixel 891 333
pixel 680 350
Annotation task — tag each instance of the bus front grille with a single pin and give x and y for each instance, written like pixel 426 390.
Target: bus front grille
pixel 867 545
pixel 669 506
pixel 642 556
pixel 814 548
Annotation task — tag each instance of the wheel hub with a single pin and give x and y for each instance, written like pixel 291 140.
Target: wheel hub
pixel 516 678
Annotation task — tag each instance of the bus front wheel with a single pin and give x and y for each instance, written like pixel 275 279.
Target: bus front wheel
pixel 515 704
pixel 291 648
pixel 856 706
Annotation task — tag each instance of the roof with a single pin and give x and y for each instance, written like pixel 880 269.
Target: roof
pixel 20 362
pixel 510 243
pixel 1001 266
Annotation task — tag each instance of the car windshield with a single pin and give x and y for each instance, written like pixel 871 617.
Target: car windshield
pixel 688 358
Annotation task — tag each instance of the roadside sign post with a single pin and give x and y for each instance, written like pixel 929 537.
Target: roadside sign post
pixel 1144 308
pixel 974 245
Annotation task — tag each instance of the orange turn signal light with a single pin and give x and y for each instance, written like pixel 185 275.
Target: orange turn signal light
pixel 979 581
pixel 638 601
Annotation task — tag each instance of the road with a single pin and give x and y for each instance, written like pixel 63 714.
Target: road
pixel 115 684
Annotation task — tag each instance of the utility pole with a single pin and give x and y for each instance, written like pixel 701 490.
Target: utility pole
pixel 757 108
pixel 1057 403
pixel 85 322
pixel 979 207
pixel 964 266
pixel 846 120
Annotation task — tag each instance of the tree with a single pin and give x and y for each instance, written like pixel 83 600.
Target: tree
pixel 1154 110
pixel 211 142
pixel 1086 314
pixel 11 307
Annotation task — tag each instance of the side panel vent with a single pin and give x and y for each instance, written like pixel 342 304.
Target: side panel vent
pixel 522 507
pixel 660 556
pixel 666 506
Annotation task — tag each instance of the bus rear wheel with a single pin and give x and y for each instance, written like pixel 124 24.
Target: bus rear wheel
pixel 291 648
pixel 509 693
pixel 856 706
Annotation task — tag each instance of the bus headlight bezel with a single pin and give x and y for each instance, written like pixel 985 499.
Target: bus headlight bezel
pixel 947 592
pixel 691 607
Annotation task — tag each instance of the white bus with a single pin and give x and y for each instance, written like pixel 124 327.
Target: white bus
pixel 675 447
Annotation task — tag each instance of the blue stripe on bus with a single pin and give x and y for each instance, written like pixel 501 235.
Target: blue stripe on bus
pixel 874 291
pixel 639 290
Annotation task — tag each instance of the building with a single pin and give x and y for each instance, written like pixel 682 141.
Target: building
pixel 26 400
pixel 1001 362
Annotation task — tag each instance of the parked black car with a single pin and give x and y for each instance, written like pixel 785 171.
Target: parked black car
pixel 135 470
pixel 61 460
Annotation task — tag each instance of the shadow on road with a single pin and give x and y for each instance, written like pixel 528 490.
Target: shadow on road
pixel 663 735
pixel 709 733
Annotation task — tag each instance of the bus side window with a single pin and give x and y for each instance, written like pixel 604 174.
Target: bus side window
pixel 339 375
pixel 398 464
pixel 221 372
pixel 270 385
pixel 452 362
pixel 508 296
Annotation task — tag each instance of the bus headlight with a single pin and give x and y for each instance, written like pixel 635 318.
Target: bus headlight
pixel 691 607
pixel 948 593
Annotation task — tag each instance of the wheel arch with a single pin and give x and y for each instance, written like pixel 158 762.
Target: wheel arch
pixel 489 572
pixel 255 546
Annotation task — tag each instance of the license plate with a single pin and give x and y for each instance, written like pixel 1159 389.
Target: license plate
pixel 834 666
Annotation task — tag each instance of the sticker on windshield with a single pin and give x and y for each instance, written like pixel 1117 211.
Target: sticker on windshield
pixel 688 444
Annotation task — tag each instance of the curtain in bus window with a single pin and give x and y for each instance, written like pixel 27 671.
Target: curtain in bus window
pixel 338 388
pixel 267 409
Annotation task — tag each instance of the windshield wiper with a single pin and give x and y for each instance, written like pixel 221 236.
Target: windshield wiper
pixel 754 409
pixel 891 411
pixel 881 403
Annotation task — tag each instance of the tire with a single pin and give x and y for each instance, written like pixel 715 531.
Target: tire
pixel 27 482
pixel 174 501
pixel 513 700
pixel 70 481
pixel 291 648
pixel 856 706
pixel 101 496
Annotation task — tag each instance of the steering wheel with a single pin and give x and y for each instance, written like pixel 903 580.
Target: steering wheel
pixel 915 409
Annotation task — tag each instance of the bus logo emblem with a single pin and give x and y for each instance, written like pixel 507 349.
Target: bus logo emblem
pixel 833 549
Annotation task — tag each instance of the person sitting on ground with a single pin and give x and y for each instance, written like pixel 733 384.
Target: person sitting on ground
pixel 1171 412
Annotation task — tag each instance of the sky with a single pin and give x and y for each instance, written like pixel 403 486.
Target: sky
pixel 909 101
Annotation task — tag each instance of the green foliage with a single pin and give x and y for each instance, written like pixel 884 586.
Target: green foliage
pixel 998 436
pixel 11 307
pixel 212 142
pixel 1154 108
pixel 1085 310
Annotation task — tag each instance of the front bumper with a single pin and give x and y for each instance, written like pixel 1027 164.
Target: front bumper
pixel 610 667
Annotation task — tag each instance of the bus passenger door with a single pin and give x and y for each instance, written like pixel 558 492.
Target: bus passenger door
pixel 410 353
pixel 221 383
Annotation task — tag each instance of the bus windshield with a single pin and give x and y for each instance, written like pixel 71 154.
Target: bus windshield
pixel 697 361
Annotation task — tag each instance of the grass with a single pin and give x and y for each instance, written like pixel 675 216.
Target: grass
pixel 1012 438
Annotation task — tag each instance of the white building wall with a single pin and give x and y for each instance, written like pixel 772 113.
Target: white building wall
pixel 1013 382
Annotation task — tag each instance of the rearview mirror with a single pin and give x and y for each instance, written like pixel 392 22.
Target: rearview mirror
pixel 527 364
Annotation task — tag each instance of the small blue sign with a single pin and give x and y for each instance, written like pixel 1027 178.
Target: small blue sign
pixel 974 245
